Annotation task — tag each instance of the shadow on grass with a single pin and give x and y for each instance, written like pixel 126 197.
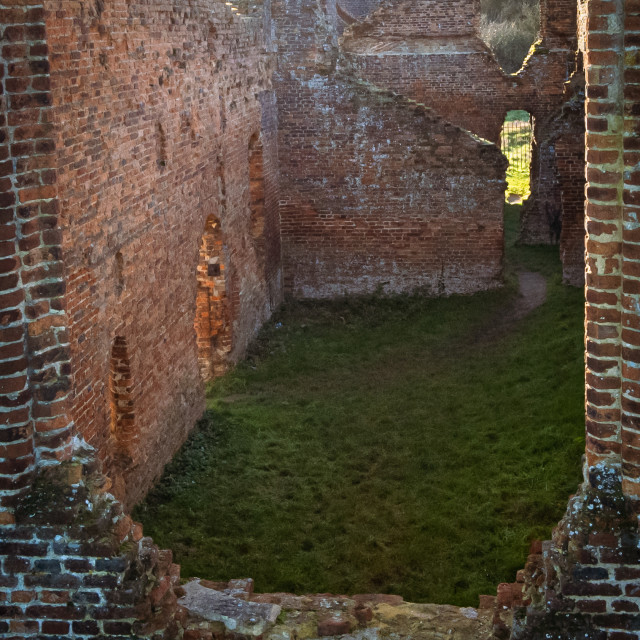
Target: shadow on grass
pixel 367 445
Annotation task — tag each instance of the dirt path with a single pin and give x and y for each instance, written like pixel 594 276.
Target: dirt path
pixel 533 293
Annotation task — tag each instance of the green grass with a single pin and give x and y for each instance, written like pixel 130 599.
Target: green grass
pixel 377 445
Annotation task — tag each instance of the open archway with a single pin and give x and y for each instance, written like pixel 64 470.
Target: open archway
pixel 516 141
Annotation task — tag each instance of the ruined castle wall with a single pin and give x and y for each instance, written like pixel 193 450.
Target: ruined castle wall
pixel 35 383
pixel 70 572
pixel 377 191
pixel 440 60
pixel 125 128
pixel 154 107
pixel 443 62
pixel 587 580
pixel 612 236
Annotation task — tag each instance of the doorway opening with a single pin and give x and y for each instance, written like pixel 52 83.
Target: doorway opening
pixel 516 142
pixel 212 323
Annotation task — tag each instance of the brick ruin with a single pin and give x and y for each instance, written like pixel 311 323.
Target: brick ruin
pixel 438 59
pixel 171 169
pixel 362 209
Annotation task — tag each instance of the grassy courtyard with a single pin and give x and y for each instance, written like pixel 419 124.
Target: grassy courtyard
pixel 383 445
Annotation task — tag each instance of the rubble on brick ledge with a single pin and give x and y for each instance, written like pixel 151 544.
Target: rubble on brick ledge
pixel 231 611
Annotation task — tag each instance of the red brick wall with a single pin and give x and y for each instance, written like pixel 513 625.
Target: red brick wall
pixel 35 425
pixel 70 572
pixel 588 576
pixel 153 115
pixel 571 175
pixel 438 59
pixel 377 191
pixel 420 18
pixel 605 235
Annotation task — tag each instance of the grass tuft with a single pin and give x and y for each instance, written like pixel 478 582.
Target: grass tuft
pixel 381 445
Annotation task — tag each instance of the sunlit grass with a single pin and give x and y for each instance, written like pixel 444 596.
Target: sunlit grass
pixel 516 145
pixel 381 445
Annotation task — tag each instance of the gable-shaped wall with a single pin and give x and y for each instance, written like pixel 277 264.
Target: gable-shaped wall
pixel 377 191
pixel 431 51
pixel 150 115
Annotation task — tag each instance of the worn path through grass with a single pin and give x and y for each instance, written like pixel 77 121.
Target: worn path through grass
pixel 377 445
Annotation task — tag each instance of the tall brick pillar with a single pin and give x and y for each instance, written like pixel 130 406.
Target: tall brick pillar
pixel 631 254
pixel 613 244
pixel 34 357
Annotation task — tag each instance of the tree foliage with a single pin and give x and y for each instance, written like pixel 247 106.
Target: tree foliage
pixel 510 27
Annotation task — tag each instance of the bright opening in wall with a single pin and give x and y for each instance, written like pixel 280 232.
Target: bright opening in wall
pixel 212 323
pixel 516 142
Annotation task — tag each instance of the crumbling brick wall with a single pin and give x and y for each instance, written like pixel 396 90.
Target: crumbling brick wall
pixel 586 581
pixel 35 383
pixel 438 58
pixel 67 198
pixel 152 118
pixel 377 191
pixel 124 127
pixel 75 566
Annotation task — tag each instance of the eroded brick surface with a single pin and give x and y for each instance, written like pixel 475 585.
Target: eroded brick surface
pixel 377 191
pixel 154 108
pixel 141 197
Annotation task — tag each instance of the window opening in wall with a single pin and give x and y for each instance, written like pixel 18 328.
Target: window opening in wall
pixel 256 198
pixel 516 141
pixel 121 386
pixel 212 326
pixel 509 28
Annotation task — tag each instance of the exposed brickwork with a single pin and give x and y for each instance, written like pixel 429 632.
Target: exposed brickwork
pixel 153 117
pixel 587 580
pixel 584 583
pixel 560 175
pixel 377 190
pixel 212 323
pixel 437 58
pixel 75 566
pixel 34 406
